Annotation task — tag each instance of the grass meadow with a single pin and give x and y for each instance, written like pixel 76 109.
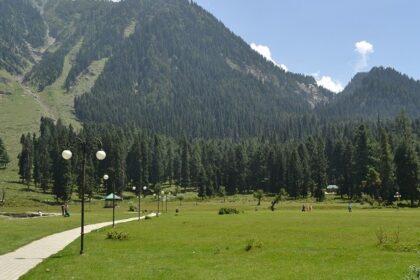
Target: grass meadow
pixel 197 243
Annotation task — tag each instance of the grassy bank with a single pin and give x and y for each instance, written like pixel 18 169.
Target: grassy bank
pixel 197 243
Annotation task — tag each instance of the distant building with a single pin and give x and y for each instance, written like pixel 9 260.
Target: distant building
pixel 332 189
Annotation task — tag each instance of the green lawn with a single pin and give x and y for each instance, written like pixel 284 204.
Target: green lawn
pixel 18 232
pixel 327 243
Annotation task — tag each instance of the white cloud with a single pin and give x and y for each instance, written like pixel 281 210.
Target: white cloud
pixel 284 67
pixel 328 83
pixel 266 53
pixel 364 49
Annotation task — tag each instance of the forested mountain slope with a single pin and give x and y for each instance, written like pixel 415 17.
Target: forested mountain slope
pixel 170 66
pixel 173 68
pixel 382 92
pixel 21 31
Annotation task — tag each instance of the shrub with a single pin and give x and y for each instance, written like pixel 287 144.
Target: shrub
pixel 413 273
pixel 115 235
pixel 132 208
pixel 147 218
pixel 253 244
pixel 223 211
pixel 381 236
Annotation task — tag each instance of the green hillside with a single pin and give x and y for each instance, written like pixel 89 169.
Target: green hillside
pixel 167 66
pixel 381 92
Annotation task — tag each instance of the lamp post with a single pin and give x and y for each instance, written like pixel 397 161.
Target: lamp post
pixel 106 177
pixel 139 194
pixel 157 214
pixel 397 196
pixel 100 155
pixel 162 193
pixel 166 202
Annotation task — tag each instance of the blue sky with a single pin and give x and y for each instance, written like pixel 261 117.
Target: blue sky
pixel 320 37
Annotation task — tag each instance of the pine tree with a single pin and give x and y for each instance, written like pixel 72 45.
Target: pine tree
pixel 407 171
pixel 25 159
pixel 44 164
pixel 386 169
pixel 319 171
pixel 306 171
pixel 63 181
pixel 363 159
pixel 202 183
pixel 185 164
pixel 157 168
pixel 134 164
pixel 4 157
pixel 294 175
pixel 347 187
pixel 145 162
pixel 242 172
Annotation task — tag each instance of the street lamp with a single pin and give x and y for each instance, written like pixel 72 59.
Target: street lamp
pixel 397 196
pixel 166 202
pixel 106 177
pixel 100 155
pixel 158 196
pixel 162 194
pixel 139 194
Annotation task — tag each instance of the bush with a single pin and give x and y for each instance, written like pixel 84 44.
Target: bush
pixel 132 208
pixel 413 274
pixel 253 244
pixel 381 236
pixel 115 235
pixel 223 211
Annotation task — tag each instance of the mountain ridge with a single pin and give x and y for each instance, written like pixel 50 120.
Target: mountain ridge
pixel 173 68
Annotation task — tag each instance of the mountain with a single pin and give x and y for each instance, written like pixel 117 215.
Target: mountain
pixel 167 66
pixel 381 92
pixel 22 31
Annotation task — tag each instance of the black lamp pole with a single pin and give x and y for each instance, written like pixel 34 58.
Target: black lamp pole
pixel 139 202
pixel 113 204
pixel 100 155
pixel 82 224
pixel 158 195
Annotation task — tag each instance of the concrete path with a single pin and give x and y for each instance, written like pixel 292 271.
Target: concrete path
pixel 15 264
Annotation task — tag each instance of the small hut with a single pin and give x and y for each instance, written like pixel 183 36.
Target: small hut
pixel 109 198
pixel 332 189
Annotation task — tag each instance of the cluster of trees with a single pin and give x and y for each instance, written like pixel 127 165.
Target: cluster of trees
pixel 374 159
pixel 4 157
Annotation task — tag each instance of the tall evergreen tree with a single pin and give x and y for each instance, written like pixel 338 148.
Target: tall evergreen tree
pixel 4 157
pixel 348 172
pixel 386 169
pixel 319 171
pixel 306 171
pixel 25 159
pixel 363 158
pixel 185 164
pixel 157 168
pixel 294 175
pixel 407 171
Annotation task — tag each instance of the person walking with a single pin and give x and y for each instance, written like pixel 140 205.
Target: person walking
pixel 349 207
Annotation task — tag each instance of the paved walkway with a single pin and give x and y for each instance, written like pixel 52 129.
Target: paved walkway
pixel 15 264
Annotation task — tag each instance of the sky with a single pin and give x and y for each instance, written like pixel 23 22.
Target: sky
pixel 329 39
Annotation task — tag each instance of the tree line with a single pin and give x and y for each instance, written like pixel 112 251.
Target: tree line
pixel 372 159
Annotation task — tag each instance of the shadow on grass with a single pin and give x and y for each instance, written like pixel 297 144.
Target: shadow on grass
pixel 28 190
pixel 48 202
